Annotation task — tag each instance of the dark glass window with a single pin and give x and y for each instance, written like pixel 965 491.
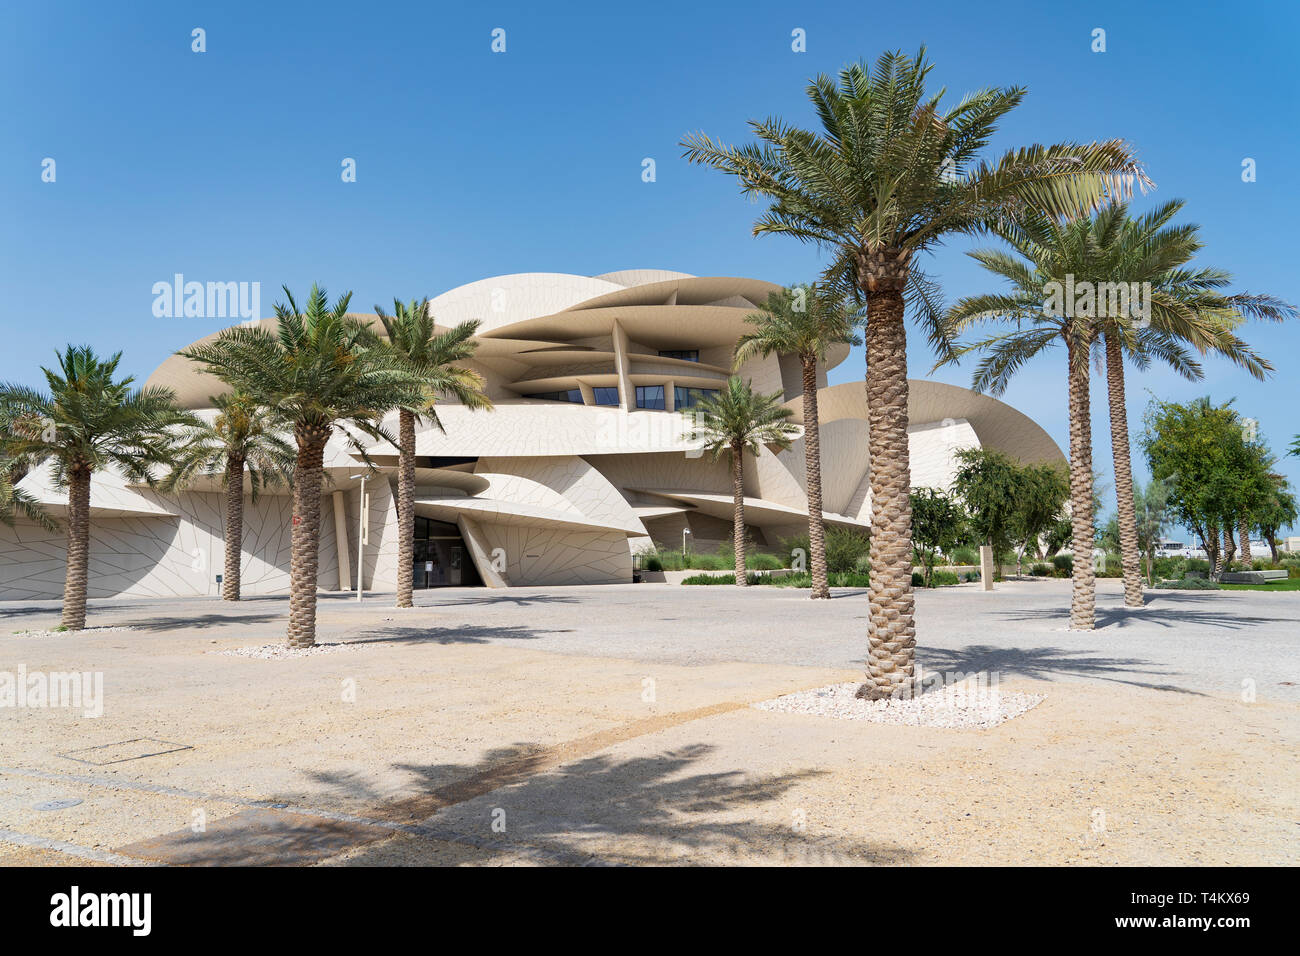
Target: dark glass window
pixel 650 396
pixel 569 395
pixel 687 355
pixel 606 396
pixel 685 398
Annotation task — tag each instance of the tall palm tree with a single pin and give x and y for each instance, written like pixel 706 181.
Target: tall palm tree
pixel 87 421
pixel 736 419
pixel 891 174
pixel 410 332
pixel 1185 306
pixel 1039 325
pixel 245 436
pixel 322 369
pixel 804 321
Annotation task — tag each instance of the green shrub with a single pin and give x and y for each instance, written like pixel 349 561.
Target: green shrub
pixel 965 556
pixel 1041 570
pixel 944 579
pixel 1064 565
pixel 1189 584
pixel 651 562
pixel 711 579
pixel 763 561
pixel 846 548
pixel 1113 568
pixel 1196 564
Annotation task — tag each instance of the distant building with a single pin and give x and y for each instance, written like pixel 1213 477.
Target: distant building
pixel 582 464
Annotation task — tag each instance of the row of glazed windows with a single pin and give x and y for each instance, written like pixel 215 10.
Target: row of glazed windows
pixel 647 396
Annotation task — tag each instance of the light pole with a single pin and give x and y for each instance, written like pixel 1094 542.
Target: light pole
pixel 685 532
pixel 361 532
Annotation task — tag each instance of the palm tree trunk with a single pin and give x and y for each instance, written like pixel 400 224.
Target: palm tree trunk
pixel 1212 551
pixel 234 527
pixel 813 464
pixel 1083 599
pixel 1128 536
pixel 1229 546
pixel 891 634
pixel 74 583
pixel 1272 545
pixel 405 507
pixel 738 526
pixel 1243 532
pixel 305 560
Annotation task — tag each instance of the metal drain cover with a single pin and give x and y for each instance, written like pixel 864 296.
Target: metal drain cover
pixel 58 804
pixel 123 750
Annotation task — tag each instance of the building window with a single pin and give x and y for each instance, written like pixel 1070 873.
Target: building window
pixel 690 397
pixel 606 396
pixel 686 355
pixel 650 396
pixel 568 395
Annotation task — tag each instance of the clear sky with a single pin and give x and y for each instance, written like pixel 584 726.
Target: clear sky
pixel 226 165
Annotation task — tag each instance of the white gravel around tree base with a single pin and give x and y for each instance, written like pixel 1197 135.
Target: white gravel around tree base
pixel 951 707
pixel 275 652
pixel 84 630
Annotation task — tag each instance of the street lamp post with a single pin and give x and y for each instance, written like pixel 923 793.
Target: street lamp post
pixel 361 532
pixel 685 532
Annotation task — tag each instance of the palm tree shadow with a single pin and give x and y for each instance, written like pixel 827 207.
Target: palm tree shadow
pixel 1176 611
pixel 642 810
pixel 1046 663
pixel 454 634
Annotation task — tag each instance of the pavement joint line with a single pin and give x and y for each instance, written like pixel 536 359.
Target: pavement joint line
pixel 71 849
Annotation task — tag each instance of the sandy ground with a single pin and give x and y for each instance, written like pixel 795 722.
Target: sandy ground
pixel 453 738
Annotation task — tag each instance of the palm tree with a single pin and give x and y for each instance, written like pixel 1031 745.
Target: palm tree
pixel 804 321
pixel 1184 307
pixel 410 332
pixel 891 175
pixel 87 421
pixel 244 436
pixel 322 369
pixel 1037 327
pixel 735 419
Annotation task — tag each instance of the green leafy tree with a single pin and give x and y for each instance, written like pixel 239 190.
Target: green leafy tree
pixel 1199 450
pixel 938 524
pixel 806 322
pixel 733 421
pixel 88 420
pixel 323 369
pixel 988 483
pixel 433 357
pixel 244 439
pixel 890 175
pixel 1151 518
pixel 1275 512
pixel 1040 500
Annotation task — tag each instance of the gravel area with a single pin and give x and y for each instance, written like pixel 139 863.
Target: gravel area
pixel 275 652
pixel 962 706
pixel 55 633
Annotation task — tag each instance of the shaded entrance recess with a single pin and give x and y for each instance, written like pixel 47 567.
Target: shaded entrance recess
pixel 441 558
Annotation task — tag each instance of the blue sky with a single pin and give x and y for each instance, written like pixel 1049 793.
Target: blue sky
pixel 225 165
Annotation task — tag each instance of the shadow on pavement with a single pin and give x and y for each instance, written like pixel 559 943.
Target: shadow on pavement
pixel 1045 663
